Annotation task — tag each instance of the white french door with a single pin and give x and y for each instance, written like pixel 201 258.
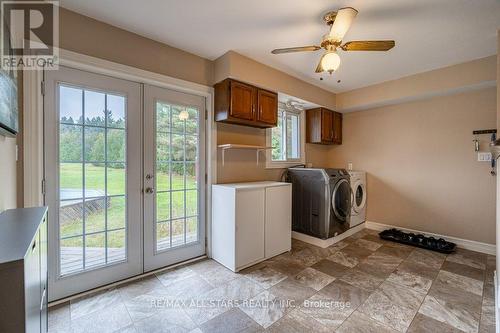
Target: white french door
pixel 123 170
pixel 174 176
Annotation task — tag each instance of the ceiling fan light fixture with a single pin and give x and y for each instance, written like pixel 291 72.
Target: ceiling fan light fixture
pixel 329 62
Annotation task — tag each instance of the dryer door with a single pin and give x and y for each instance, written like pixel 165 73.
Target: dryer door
pixel 359 201
pixel 341 199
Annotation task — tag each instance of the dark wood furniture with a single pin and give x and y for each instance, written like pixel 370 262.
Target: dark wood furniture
pixel 323 126
pixel 243 104
pixel 23 270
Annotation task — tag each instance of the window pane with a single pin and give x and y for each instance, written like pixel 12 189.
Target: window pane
pixel 162 117
pixel 162 236
pixel 116 178
pixel 116 111
pixel 94 144
pixel 192 229
pixel 116 213
pixel 95 180
pixel 116 145
pixel 177 204
pixel 178 232
pixel 162 206
pixel 277 139
pixel 191 176
pixel 178 113
pixel 70 143
pixel 191 148
pixel 70 181
pixel 92 193
pixel 177 176
pixel 116 245
pixel 70 218
pixel 292 137
pixel 95 108
pixel 95 215
pixel 95 250
pixel 71 252
pixel 191 203
pixel 162 177
pixel 70 105
pixel 177 147
pixel 192 121
pixel 163 147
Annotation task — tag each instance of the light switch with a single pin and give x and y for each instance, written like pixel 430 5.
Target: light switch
pixel 484 157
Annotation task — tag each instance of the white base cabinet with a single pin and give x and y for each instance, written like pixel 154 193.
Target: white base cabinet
pixel 251 222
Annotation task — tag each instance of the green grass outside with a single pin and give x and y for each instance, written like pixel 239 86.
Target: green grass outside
pixel 71 178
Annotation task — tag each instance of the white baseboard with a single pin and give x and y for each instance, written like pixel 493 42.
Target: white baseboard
pixel 324 243
pixel 462 243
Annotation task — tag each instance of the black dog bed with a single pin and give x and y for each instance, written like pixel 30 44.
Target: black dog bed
pixel 429 243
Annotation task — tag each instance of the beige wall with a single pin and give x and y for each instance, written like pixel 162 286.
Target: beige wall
pixel 241 165
pixel 85 35
pixel 442 81
pixel 8 193
pixel 421 164
pixel 498 79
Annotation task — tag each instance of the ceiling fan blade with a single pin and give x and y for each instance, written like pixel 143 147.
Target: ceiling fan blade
pixel 319 68
pixel 296 49
pixel 368 45
pixel 342 23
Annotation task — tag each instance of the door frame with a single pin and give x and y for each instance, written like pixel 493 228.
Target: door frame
pixel 33 136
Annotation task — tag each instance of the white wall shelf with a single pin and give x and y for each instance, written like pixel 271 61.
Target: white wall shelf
pixel 227 146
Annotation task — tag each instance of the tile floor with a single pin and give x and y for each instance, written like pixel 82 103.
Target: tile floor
pixel 362 284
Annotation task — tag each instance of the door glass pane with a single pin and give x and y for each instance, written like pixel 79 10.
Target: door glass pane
pixel 177 138
pixel 92 179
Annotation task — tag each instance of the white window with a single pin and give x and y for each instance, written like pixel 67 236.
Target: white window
pixel 287 139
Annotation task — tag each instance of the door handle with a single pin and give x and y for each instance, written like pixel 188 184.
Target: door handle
pixel 150 190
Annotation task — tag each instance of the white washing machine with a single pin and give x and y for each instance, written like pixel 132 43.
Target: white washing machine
pixel 358 207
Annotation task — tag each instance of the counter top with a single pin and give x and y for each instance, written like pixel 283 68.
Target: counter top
pixel 18 227
pixel 250 185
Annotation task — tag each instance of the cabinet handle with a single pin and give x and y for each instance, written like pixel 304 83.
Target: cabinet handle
pixel 33 246
pixel 260 110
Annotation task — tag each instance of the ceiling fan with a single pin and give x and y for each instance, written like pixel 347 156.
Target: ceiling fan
pixel 339 22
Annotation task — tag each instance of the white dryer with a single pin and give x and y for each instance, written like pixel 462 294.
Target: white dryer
pixel 358 186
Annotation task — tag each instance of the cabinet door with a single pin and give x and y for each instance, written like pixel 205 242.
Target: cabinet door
pixel 249 226
pixel 32 286
pixel 267 107
pixel 43 275
pixel 337 128
pixel 326 125
pixel 242 101
pixel 278 220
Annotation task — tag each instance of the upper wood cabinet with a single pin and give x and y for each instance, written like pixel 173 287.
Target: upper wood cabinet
pixel 323 126
pixel 240 103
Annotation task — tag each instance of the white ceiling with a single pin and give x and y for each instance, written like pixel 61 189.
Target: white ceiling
pixel 429 34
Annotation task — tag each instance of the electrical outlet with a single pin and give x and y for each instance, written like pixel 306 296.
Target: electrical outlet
pixel 484 157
